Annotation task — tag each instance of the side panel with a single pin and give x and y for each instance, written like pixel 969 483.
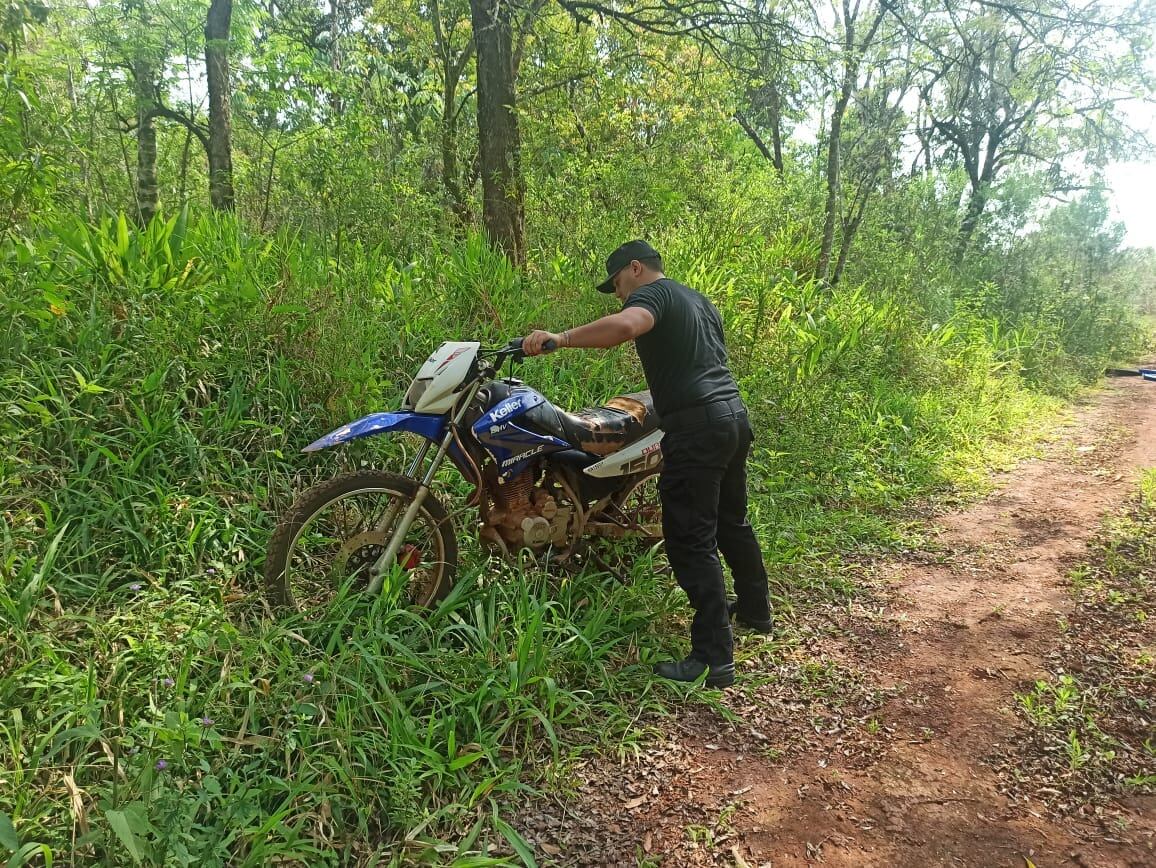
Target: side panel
pixel 644 454
pixel 427 425
pixel 512 445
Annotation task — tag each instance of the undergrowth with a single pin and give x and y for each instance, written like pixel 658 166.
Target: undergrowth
pixel 156 388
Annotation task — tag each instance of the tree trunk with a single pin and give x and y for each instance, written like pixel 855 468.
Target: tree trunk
pixel 498 139
pixel 450 142
pixel 147 194
pixel 981 185
pixel 853 51
pixel 220 148
pixel 453 65
pixel 776 108
pixel 833 188
pixel 184 176
pixel 850 230
pixel 336 58
pixel 754 136
pixel 268 187
pixel 980 150
pixel 976 203
pixel 834 143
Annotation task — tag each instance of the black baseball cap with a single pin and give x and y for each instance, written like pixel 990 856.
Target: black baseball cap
pixel 622 257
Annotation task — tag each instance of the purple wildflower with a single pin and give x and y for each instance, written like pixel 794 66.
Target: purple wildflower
pixel 207 722
pixel 135 586
pixel 167 682
pixel 211 571
pixel 162 765
pixel 307 677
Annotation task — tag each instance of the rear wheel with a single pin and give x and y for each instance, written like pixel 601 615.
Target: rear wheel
pixel 627 527
pixel 637 509
pixel 336 530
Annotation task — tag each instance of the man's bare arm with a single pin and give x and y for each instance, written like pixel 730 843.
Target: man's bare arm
pixel 609 331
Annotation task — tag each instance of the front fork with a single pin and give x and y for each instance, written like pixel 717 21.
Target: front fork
pixel 378 571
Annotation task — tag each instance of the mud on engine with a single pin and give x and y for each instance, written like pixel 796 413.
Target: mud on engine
pixel 523 514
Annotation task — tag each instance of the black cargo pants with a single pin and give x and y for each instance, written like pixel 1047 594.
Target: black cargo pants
pixel 703 489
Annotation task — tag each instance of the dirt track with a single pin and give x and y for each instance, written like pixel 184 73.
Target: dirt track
pixel 974 629
pixel 898 766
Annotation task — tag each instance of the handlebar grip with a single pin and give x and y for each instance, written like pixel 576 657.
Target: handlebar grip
pixel 515 348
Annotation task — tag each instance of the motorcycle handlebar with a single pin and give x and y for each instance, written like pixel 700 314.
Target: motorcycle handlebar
pixel 515 348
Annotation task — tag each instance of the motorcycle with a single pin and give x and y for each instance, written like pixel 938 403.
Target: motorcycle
pixel 544 479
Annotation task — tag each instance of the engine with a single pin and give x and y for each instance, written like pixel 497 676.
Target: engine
pixel 523 514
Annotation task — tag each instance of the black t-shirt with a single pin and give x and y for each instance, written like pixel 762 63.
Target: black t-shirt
pixel 684 355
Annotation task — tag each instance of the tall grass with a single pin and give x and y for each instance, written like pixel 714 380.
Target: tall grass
pixel 156 387
pixel 196 734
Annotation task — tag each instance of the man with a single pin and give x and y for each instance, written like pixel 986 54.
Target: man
pixel 703 486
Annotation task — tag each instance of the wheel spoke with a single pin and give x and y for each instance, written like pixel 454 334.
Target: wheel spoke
pixel 640 506
pixel 339 541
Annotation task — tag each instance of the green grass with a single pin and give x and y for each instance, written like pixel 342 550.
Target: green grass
pixel 337 734
pixel 1090 734
pixel 155 390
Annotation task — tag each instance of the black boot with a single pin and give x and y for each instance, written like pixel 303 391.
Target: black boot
pixel 766 626
pixel 691 669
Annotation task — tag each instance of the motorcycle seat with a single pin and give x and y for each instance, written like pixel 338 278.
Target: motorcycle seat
pixel 610 427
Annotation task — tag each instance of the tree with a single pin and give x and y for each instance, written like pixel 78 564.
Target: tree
pixel 144 65
pixel 760 55
pixel 1028 84
pixel 20 172
pixel 219 144
pixel 453 57
pixel 854 42
pixel 499 141
pixel 137 40
pixel 876 124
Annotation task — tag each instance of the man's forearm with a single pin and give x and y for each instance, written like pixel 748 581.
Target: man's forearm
pixel 610 331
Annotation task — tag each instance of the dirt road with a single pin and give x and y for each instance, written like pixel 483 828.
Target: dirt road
pixel 878 741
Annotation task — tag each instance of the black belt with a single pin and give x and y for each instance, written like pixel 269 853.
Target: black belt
pixel 701 414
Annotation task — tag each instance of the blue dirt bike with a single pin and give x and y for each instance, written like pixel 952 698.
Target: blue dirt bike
pixel 543 479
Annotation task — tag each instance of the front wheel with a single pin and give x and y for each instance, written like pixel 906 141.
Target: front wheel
pixel 336 531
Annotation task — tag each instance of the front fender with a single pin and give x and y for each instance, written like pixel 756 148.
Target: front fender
pixel 432 427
